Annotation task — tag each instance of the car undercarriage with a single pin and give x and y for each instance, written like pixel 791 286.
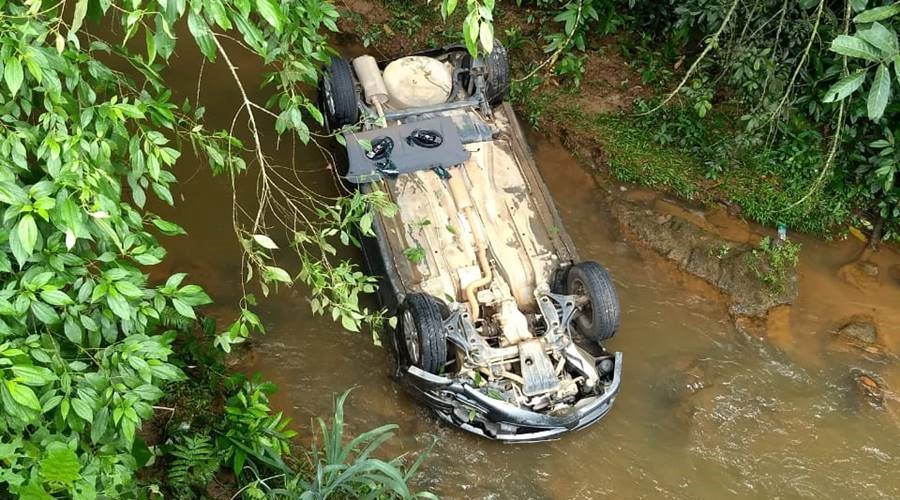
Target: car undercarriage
pixel 500 325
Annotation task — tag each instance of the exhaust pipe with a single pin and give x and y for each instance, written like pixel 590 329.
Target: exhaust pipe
pixel 374 89
pixel 464 204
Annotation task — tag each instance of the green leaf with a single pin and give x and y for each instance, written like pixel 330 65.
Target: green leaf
pixel 470 33
pixel 127 430
pixel 271 12
pixel 56 297
pixel 83 409
pixel 128 289
pixel 175 280
pixel 27 232
pixel 34 376
pixel 168 228
pixel 78 16
pixel 184 309
pixel 365 224
pixel 486 36
pixel 881 38
pixel 148 392
pixel 349 323
pixel 858 5
pixel 34 491
pixel 44 313
pixel 23 395
pixel 73 331
pixel 203 36
pixel 265 242
pixel 51 403
pixel 854 47
pixel 165 371
pixel 60 466
pixel 897 67
pixel 450 6
pixel 12 74
pixel 12 194
pixel 118 305
pixel 879 93
pixel 878 13
pixel 274 273
pixel 98 426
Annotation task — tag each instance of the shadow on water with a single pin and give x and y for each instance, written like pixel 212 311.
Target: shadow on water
pixel 704 412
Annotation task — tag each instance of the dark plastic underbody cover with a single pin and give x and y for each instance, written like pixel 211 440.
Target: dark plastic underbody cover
pixel 400 149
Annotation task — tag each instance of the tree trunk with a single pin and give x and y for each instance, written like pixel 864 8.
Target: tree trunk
pixel 877 226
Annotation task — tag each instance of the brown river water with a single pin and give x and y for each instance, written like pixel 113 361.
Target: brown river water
pixel 704 412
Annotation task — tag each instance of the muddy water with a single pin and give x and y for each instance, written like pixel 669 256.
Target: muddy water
pixel 704 412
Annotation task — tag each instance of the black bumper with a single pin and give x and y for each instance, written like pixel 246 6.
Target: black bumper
pixel 465 407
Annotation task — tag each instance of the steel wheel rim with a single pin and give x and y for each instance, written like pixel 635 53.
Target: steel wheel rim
pixel 411 337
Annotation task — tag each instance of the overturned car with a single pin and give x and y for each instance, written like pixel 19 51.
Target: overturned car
pixel 500 325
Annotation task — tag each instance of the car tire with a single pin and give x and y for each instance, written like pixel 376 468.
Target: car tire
pixel 421 335
pixel 337 96
pixel 496 75
pixel 599 314
pixel 558 280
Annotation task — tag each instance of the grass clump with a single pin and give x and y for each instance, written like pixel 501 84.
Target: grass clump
pixel 773 261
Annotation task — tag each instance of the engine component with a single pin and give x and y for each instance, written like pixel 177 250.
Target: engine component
pixel 372 82
pixel 537 370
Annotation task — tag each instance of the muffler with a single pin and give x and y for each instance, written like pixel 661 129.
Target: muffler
pixel 374 89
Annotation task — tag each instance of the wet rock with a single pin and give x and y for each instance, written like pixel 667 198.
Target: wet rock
pixel 869 387
pixel 869 268
pixel 859 328
pixel 859 274
pixel 858 334
pixel 686 384
pixel 752 327
pixel 703 253
pixel 895 273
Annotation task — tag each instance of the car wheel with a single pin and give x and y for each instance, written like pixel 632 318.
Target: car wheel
pixel 496 73
pixel 337 97
pixel 558 282
pixel 598 304
pixel 421 330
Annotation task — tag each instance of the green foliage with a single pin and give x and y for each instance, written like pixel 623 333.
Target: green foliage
pixel 416 255
pixel 86 341
pixel 773 261
pixel 790 106
pixel 251 429
pixel 348 469
pixel 194 460
pixel 478 25
pixel 873 45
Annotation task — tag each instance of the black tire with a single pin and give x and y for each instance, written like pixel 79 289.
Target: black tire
pixel 421 337
pixel 496 73
pixel 598 316
pixel 558 280
pixel 337 98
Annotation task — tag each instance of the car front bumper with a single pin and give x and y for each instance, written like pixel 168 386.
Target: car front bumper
pixel 464 406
